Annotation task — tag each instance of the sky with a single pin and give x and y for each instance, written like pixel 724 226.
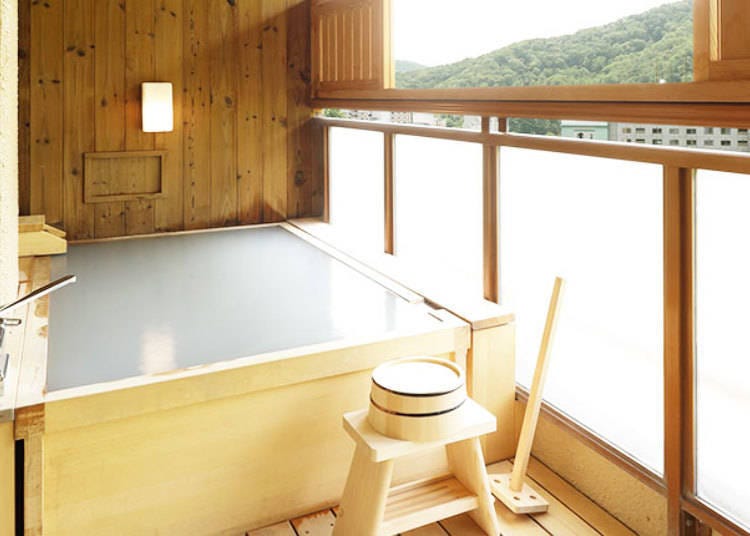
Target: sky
pixel 434 32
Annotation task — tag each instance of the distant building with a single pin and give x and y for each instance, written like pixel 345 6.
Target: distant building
pixel 365 115
pixel 585 130
pixel 421 118
pixel 416 118
pixel 401 117
pixel 725 139
pixel 410 118
pixel 716 138
pixel 472 122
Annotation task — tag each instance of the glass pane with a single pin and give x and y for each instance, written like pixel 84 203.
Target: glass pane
pixel 356 171
pixel 597 223
pixel 438 213
pixel 482 43
pixel 723 358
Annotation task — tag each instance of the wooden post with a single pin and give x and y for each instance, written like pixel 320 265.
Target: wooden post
pixel 678 358
pixel 490 218
pixel 325 170
pixel 389 230
pixel 7 472
pixel 30 428
pixel 492 383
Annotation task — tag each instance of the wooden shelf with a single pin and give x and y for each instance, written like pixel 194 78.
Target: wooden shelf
pixel 35 237
pixel 415 505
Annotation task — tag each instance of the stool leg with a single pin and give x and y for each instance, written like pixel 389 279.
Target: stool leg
pixel 366 491
pixel 467 464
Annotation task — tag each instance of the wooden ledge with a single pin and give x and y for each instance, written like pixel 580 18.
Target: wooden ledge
pixel 705 92
pixel 479 313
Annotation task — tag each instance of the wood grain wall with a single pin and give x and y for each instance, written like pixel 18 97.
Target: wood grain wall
pixel 241 149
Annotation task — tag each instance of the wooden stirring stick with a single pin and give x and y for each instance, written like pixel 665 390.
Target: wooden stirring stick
pixel 511 489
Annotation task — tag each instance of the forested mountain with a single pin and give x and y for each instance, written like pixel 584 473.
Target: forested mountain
pixel 648 47
pixel 404 66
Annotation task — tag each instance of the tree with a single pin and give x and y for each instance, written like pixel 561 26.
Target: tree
pixel 452 121
pixel 542 127
pixel 333 112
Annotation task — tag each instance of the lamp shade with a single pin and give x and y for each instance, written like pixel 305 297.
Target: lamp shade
pixel 156 107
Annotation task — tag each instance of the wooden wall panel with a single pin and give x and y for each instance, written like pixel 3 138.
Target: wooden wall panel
pixel 24 108
pixel 168 29
pixel 197 116
pixel 250 113
pixel 140 50
pixel 46 117
pixel 274 123
pixel 223 105
pixel 299 173
pixel 78 113
pixel 240 151
pixel 109 114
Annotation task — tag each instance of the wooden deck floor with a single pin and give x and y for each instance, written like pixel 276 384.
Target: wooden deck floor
pixel 570 514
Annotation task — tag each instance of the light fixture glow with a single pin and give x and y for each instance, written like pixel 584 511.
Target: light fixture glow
pixel 156 106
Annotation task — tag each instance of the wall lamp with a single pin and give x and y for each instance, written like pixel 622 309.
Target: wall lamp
pixel 156 107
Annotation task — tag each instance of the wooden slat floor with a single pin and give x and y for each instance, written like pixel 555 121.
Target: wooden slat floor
pixel 570 514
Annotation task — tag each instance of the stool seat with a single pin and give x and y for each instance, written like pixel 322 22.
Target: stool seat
pixel 370 507
pixel 476 421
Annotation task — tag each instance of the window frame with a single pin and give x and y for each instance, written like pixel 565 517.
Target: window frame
pixel 718 96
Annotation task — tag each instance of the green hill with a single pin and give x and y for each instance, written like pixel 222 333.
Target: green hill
pixel 648 47
pixel 404 66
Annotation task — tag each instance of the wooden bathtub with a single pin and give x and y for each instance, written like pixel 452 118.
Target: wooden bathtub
pixel 200 440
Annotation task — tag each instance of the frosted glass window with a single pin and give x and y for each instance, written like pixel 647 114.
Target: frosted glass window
pixel 723 356
pixel 438 213
pixel 597 223
pixel 356 171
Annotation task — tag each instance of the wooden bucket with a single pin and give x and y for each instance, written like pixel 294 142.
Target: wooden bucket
pixel 417 398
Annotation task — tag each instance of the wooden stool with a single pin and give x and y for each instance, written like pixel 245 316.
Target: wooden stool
pixel 371 507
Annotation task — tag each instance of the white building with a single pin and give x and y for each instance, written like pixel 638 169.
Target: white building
pixel 724 138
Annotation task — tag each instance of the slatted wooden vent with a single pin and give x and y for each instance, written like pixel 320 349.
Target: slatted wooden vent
pixel 722 40
pixel 351 45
